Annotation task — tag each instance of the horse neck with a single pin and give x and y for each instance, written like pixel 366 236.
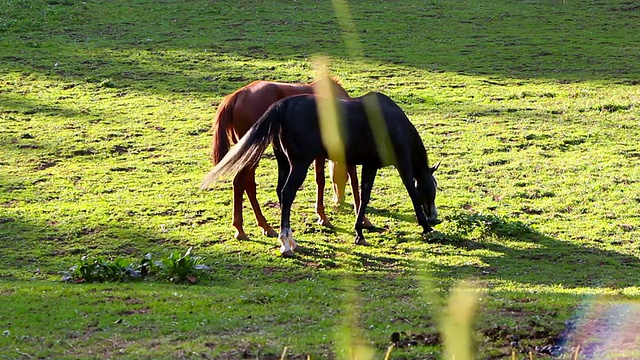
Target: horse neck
pixel 420 157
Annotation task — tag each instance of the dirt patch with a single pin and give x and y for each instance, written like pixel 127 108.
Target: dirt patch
pixel 144 310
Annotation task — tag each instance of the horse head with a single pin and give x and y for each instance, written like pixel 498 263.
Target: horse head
pixel 426 188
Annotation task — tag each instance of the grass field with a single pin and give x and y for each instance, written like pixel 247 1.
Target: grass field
pixel 532 108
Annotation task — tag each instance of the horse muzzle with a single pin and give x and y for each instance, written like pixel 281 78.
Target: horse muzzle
pixel 432 215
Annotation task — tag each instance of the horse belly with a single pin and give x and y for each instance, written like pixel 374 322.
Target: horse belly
pixel 361 149
pixel 300 136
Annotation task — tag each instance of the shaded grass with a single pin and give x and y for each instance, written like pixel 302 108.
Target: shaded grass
pixel 104 115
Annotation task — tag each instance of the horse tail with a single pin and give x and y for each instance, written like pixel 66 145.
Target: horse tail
pixel 222 128
pixel 247 152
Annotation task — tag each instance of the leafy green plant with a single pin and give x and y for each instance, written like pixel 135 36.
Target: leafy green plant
pixel 101 270
pixel 181 268
pixel 175 267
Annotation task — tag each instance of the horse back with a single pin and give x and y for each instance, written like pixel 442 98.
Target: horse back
pixel 301 135
pixel 251 102
pixel 302 139
pixel 378 135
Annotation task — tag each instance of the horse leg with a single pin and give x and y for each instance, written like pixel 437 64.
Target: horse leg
pixel 320 182
pixel 368 176
pixel 338 175
pixel 353 179
pixel 238 190
pixel 294 181
pixel 407 175
pixel 283 172
pixel 250 189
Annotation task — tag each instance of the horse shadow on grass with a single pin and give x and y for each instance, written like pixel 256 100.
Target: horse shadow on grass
pixel 497 249
pixel 397 215
pixel 514 251
pixel 323 255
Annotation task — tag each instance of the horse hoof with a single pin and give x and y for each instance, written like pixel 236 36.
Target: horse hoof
pixel 427 235
pixel 325 222
pixel 361 241
pixel 241 236
pixel 288 254
pixel 270 233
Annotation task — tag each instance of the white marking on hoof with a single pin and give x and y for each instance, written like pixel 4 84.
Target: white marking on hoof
pixel 324 221
pixel 288 244
pixel 284 244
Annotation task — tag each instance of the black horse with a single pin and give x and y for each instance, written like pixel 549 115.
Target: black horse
pixel 374 132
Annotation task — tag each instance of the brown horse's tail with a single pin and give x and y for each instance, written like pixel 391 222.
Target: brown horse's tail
pixel 222 128
pixel 247 152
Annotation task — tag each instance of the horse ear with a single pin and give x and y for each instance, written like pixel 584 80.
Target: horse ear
pixel 435 167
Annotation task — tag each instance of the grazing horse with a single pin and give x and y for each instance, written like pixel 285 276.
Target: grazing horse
pixel 375 133
pixel 236 114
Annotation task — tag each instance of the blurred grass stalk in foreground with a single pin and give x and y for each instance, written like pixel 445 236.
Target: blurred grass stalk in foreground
pixel 350 344
pixel 331 124
pixel 457 317
pixel 457 320
pixel 372 107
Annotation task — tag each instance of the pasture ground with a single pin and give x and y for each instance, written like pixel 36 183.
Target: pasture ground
pixel 530 106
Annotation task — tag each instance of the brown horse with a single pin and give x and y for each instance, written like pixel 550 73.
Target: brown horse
pixel 236 114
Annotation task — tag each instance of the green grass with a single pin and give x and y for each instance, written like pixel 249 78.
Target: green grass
pixel 105 109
